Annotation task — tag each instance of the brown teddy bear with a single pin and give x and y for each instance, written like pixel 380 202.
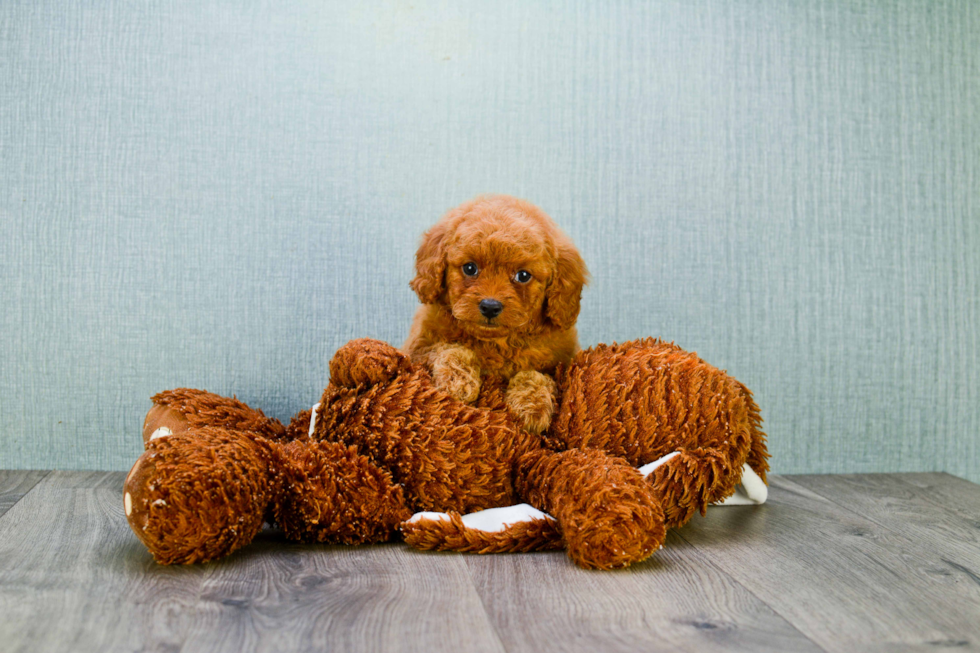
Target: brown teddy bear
pixel 386 450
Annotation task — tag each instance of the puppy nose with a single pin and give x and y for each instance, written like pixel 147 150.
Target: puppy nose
pixel 490 308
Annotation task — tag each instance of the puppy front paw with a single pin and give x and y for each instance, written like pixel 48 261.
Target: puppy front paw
pixel 455 370
pixel 531 400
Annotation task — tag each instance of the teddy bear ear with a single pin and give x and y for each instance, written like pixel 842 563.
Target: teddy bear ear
pixel 430 264
pixel 565 291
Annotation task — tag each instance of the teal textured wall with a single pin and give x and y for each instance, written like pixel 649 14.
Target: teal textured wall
pixel 219 195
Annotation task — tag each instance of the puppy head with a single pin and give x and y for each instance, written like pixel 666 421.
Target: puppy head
pixel 500 265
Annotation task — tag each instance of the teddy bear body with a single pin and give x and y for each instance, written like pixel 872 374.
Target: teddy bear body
pixel 384 442
pixel 447 455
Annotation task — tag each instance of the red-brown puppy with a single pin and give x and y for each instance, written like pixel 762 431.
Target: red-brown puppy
pixel 500 286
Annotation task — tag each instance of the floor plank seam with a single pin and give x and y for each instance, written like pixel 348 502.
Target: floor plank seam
pixel 486 612
pixel 47 473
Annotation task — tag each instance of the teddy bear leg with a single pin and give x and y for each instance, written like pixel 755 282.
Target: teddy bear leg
pixel 330 493
pixel 651 401
pixel 366 362
pixel 510 529
pixel 608 512
pixel 200 494
pixel 688 480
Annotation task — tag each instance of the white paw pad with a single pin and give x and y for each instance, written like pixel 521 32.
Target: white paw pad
pixel 313 410
pixel 647 469
pixel 161 432
pixel 493 520
pixel 751 490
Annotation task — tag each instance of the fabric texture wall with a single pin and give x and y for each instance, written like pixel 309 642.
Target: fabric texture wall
pixel 220 194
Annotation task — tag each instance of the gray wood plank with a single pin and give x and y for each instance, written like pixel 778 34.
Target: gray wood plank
pixel 676 601
pixel 843 580
pixel 14 484
pixel 953 494
pixel 945 540
pixel 839 563
pixel 74 577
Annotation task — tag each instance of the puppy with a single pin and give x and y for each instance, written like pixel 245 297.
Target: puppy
pixel 500 287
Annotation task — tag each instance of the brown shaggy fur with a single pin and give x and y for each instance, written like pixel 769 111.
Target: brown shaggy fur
pixel 446 454
pixel 608 516
pixel 646 399
pixel 453 535
pixel 331 493
pixel 185 408
pixel 500 238
pixel 183 515
pixel 388 443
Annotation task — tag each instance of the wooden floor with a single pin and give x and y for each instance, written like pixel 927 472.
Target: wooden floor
pixel 886 562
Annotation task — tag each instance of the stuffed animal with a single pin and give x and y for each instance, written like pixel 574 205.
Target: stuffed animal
pixel 643 436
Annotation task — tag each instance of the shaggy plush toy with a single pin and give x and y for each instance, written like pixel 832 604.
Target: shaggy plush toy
pixel 643 436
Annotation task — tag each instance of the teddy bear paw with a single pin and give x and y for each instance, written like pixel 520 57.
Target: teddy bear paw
pixel 509 529
pixel 750 491
pixel 162 421
pixel 198 495
pixel 366 362
pixel 689 480
pixel 649 468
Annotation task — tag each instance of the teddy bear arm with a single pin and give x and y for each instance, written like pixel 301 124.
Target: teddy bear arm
pixel 607 511
pixel 366 362
pixel 330 493
pixel 690 479
pixel 509 529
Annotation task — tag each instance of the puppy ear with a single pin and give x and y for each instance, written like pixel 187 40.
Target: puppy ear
pixel 565 291
pixel 430 264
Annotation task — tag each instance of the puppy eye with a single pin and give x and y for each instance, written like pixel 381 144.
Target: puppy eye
pixel 470 269
pixel 522 276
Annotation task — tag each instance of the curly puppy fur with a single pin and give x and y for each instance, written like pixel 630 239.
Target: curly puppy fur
pixel 501 287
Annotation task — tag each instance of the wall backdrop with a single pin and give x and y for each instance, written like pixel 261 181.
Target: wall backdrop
pixel 220 194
